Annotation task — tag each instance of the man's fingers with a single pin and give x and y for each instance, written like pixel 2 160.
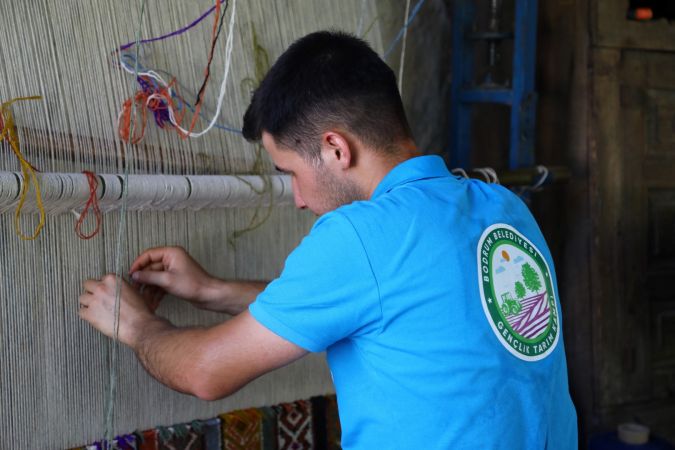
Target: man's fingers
pixel 90 285
pixel 85 301
pixel 150 256
pixel 156 266
pixel 154 257
pixel 153 277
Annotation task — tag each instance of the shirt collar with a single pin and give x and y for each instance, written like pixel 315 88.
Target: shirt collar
pixel 413 169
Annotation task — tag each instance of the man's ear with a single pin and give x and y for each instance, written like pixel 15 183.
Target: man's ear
pixel 336 150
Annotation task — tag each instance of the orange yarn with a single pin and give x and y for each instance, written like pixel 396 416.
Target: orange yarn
pixel 143 102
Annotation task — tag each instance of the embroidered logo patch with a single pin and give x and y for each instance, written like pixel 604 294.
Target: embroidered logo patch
pixel 517 293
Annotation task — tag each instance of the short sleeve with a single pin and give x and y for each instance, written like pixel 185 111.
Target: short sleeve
pixel 326 292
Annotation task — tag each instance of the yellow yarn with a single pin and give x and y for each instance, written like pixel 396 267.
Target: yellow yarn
pixel 9 133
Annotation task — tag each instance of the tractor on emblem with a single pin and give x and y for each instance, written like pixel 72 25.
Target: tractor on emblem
pixel 510 305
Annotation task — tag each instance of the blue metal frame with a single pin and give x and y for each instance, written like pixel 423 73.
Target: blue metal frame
pixel 521 97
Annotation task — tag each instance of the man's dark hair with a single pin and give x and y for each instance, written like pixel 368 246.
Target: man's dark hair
pixel 327 79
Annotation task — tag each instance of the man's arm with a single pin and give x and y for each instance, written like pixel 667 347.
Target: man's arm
pixel 171 270
pixel 209 363
pixel 230 297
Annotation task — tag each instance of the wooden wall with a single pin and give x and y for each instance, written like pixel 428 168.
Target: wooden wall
pixel 607 110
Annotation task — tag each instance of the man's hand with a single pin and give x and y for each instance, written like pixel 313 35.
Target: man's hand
pixel 97 306
pixel 171 270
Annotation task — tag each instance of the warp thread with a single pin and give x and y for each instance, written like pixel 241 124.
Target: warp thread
pixel 113 347
pixel 92 203
pixel 9 133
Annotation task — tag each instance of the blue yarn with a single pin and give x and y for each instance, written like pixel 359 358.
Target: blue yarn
pixel 398 37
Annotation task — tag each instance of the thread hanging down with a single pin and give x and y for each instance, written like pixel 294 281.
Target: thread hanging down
pixel 405 39
pixel 10 134
pixel 113 345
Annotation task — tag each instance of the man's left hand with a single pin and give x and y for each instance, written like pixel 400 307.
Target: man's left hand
pixel 136 312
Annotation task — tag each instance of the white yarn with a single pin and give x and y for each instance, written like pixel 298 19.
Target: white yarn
pixel 459 171
pixel 405 38
pixel 488 173
pixel 543 171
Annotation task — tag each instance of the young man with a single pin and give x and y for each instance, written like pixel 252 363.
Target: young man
pixel 435 297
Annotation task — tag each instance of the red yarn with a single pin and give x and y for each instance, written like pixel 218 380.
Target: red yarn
pixel 92 203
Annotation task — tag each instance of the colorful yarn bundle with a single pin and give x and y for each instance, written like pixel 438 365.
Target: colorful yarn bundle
pixel 128 62
pixel 159 96
pixel 154 97
pixel 10 135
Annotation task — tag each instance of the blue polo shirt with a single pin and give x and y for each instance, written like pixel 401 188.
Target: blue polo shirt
pixel 437 304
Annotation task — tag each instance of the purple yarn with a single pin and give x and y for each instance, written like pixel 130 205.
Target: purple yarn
pixel 124 442
pixel 173 33
pixel 161 114
pixel 147 86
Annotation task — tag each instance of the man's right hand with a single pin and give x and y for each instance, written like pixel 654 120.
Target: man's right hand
pixel 171 270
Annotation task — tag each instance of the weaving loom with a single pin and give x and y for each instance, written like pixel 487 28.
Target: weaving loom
pixel 55 368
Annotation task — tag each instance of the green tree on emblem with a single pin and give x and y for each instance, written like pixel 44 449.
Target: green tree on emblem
pixel 531 278
pixel 520 290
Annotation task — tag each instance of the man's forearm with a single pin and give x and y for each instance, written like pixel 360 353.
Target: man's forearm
pixel 162 349
pixel 230 297
pixel 179 358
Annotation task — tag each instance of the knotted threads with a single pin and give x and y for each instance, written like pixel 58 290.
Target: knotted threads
pixel 10 135
pixel 154 97
pixel 152 89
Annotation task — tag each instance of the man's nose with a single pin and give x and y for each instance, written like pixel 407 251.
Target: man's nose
pixel 299 202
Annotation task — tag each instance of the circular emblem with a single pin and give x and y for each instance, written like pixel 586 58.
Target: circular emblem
pixel 517 293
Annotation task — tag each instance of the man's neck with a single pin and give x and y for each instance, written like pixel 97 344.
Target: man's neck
pixel 374 166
